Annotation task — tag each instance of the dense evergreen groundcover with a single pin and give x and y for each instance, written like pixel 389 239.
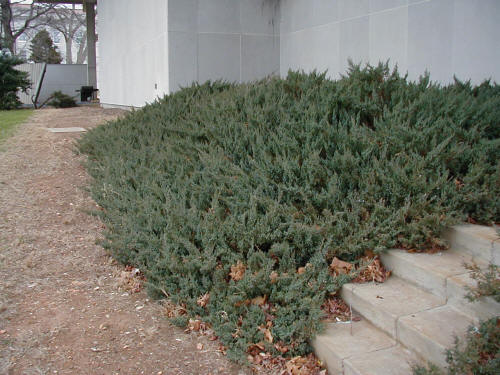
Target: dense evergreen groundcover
pixel 226 191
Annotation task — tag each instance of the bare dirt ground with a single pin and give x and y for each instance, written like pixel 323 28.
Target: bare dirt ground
pixel 63 307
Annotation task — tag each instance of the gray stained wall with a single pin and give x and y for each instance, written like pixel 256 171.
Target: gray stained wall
pixel 149 48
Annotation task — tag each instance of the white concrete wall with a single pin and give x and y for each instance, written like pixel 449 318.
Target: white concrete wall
pixel 148 48
pixel 234 40
pixel 445 37
pixel 133 51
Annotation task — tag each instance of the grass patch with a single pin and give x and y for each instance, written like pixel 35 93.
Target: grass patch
pixel 235 199
pixel 10 119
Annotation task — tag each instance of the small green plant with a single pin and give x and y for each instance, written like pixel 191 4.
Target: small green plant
pixel 60 100
pixel 488 282
pixel 11 81
pixel 478 355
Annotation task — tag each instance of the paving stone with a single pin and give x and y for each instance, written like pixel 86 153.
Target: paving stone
pixel 428 271
pixel 337 343
pixel 476 240
pixel 416 314
pixel 429 333
pixel 483 309
pixel 66 130
pixel 392 361
pixel 383 304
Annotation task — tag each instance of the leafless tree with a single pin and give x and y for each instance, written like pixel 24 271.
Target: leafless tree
pixel 70 22
pixel 31 14
pixel 82 48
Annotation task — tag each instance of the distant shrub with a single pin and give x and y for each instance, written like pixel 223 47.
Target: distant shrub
pixel 235 199
pixel 60 100
pixel 11 80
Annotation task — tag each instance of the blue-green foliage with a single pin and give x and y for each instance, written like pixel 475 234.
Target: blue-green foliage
pixel 285 172
pixel 11 81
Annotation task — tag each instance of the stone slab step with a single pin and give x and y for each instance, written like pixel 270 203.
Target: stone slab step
pixel 429 333
pixel 361 349
pixel 66 130
pixel 392 361
pixel 428 271
pixel 383 304
pixel 481 242
pixel 483 309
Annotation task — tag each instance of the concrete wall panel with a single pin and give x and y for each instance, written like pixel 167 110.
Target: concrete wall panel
pixel 324 11
pixel 184 15
pixel 132 51
pixel 380 5
pixel 354 42
pixel 389 37
pixel 183 64
pixel 259 56
pixel 219 16
pixel 430 38
pixel 445 37
pixel 151 47
pixel 260 17
pixel 233 40
pixel 476 35
pixel 350 9
pixel 219 57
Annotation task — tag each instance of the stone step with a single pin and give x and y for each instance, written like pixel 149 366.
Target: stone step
pixel 482 309
pixel 428 271
pixel 361 349
pixel 444 275
pixel 481 242
pixel 429 333
pixel 383 304
pixel 393 361
pixel 417 313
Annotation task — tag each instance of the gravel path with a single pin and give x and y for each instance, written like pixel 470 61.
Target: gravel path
pixel 64 305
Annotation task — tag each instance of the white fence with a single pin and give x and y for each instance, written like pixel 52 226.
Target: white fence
pixel 48 78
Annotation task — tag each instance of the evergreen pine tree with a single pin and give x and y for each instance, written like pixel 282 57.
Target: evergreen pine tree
pixel 11 80
pixel 43 49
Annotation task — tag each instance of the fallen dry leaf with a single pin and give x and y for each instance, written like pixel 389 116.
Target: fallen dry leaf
pixel 237 271
pixel 372 270
pixel 131 279
pixel 274 277
pixel 336 309
pixel 259 300
pixel 339 267
pixel 203 300
pixel 172 310
pixel 281 348
pixel 199 346
pixel 304 366
pixel 267 334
